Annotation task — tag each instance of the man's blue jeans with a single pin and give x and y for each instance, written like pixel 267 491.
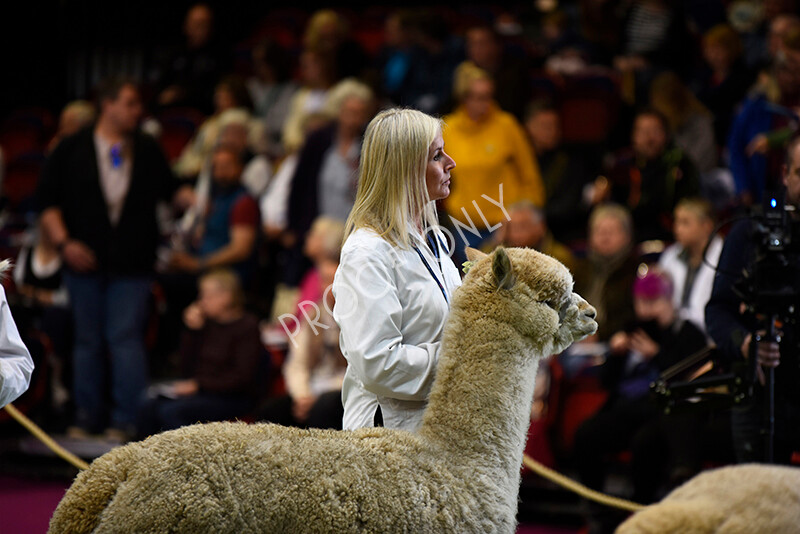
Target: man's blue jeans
pixel 110 314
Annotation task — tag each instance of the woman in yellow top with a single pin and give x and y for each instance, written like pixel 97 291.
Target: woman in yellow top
pixel 496 166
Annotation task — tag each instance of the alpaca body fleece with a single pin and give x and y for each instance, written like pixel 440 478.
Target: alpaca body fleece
pixel 458 474
pixel 740 499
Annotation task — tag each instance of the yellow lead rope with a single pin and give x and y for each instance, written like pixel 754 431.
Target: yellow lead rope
pixel 578 488
pixel 44 438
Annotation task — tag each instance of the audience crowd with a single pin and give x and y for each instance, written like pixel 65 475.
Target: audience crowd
pixel 175 239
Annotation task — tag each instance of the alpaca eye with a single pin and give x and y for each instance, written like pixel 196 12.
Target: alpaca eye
pixel 562 312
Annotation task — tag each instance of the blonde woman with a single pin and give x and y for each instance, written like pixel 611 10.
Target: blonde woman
pixel 395 279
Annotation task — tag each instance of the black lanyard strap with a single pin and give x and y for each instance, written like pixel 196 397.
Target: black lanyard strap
pixel 435 250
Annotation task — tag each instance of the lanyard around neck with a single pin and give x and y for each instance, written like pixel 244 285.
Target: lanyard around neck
pixel 434 245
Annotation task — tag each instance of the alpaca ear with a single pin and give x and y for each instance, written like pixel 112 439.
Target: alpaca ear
pixel 501 269
pixel 474 254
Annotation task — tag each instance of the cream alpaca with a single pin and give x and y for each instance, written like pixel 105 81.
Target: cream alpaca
pixel 739 499
pixel 460 473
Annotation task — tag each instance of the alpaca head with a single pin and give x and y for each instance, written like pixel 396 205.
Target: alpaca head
pixel 532 292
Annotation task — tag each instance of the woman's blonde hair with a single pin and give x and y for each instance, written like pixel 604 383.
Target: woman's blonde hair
pixel 392 192
pixel 312 37
pixel 465 75
pixel 331 234
pixel 229 281
pixel 614 211
pixel 343 91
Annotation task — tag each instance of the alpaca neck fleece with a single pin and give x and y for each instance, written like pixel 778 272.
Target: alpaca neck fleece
pixel 479 409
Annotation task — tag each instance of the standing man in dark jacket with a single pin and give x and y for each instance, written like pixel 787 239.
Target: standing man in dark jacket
pixel 98 193
pixel 732 331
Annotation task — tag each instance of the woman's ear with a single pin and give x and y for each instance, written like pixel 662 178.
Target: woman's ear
pixel 502 269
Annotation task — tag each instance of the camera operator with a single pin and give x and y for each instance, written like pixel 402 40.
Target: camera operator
pixel 733 333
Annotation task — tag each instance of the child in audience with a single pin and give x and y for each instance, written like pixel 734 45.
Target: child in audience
pixel 220 351
pixel 692 274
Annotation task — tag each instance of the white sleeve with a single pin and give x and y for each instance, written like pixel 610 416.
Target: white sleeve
pixel 256 176
pixel 16 365
pixel 370 314
pixel 275 201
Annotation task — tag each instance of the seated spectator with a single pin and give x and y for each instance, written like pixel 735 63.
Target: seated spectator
pixel 763 37
pixel 652 176
pixel 780 26
pixel 562 50
pixel 271 89
pixel 317 76
pixel 75 116
pixel 37 276
pixel 435 56
pixel 691 124
pixel 186 76
pixel 325 180
pixel 236 129
pixel 605 277
pixel 527 227
pixel 323 243
pixel 655 36
pixel 492 152
pixel 765 122
pixel 230 94
pixel 315 369
pixel 279 244
pixel 566 170
pixel 601 29
pixel 220 351
pixel 691 272
pixel 484 49
pixel 725 79
pixel 238 134
pixel 394 58
pixel 227 235
pixel 224 234
pixel 327 31
pixel 656 340
pixel 275 200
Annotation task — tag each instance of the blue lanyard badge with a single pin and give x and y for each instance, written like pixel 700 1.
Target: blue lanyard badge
pixel 116 155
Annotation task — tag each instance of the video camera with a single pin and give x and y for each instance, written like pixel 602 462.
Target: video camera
pixel 770 289
pixel 770 286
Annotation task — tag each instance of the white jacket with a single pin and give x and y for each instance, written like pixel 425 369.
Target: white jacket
pixel 671 263
pixel 391 313
pixel 16 365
